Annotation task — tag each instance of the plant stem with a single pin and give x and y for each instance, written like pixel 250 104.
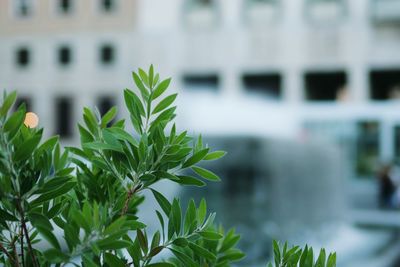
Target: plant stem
pixel 131 192
pixel 25 231
pixel 2 248
pixel 22 247
pixel 15 253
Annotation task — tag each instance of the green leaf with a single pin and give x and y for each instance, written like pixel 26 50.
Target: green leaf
pixel 14 122
pixel 229 241
pixel 87 261
pixel 26 149
pixel 115 226
pixel 177 216
pixel 4 215
pixel 233 255
pixel 209 235
pixel 195 158
pixel 156 250
pixel 189 180
pixel 80 220
pixel 156 240
pixel 140 85
pixel 145 78
pixel 54 193
pixel 185 259
pixel 161 264
pixel 49 236
pixel 49 144
pixel 162 201
pixel 331 260
pixel 215 155
pixel 113 261
pixel 180 242
pixel 7 103
pixel 122 135
pixel 321 259
pixel 190 216
pixel 151 76
pixel 55 256
pixel 112 244
pixel 166 102
pixel 206 174
pixel 277 252
pixel 202 211
pixel 142 240
pixel 202 252
pixel 132 102
pixel 160 218
pixel 109 116
pixel 102 146
pixel 38 220
pixel 160 89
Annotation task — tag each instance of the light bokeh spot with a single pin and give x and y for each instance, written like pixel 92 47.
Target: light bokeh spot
pixel 31 120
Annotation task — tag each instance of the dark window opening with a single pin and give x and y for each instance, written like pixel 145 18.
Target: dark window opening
pixel 385 84
pixel 64 55
pixel 267 84
pixel 64 117
pixel 367 148
pixel 204 2
pixel 22 57
pixel 397 143
pixel 26 100
pixel 107 54
pixel 108 5
pixel 105 103
pixel 241 180
pixel 325 86
pixel 201 82
pixel 65 6
pixel 23 8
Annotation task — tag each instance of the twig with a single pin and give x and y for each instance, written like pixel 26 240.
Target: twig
pixel 25 230
pixel 2 248
pixel 22 248
pixel 14 248
pixel 131 192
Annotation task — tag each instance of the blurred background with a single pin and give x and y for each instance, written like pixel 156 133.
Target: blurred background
pixel 303 94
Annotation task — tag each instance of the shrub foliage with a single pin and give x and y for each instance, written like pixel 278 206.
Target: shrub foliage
pixel 90 194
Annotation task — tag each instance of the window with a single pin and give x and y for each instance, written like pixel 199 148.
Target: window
pixel 325 86
pixel 22 57
pixel 202 2
pixel 367 147
pixel 107 5
pixel 65 6
pixel 64 55
pixel 107 54
pixel 23 8
pixel 268 84
pixel 397 143
pixel 258 12
pixel 200 13
pixel 385 11
pixel 105 103
pixel 385 84
pixel 325 10
pixel 26 100
pixel 241 181
pixel 64 118
pixel 201 82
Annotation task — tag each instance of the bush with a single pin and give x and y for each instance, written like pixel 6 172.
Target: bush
pixel 91 193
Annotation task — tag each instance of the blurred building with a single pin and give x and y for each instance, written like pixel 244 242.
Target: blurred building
pixel 326 69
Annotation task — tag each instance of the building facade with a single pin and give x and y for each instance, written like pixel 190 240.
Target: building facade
pixel 302 69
